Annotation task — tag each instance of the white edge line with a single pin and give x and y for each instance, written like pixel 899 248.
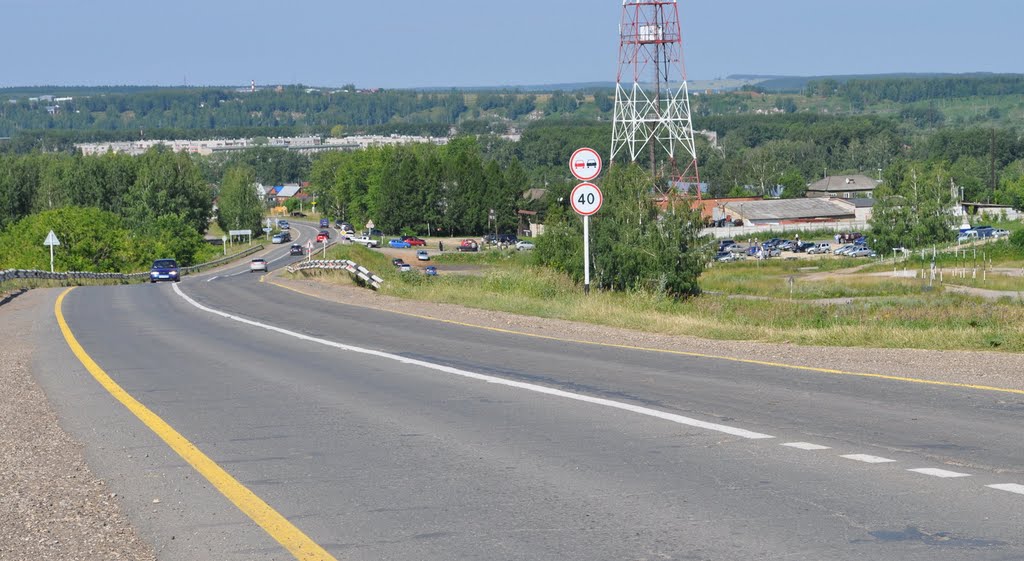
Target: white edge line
pixel 866 458
pixel 672 417
pixel 214 277
pixel 1011 487
pixel 805 446
pixel 936 472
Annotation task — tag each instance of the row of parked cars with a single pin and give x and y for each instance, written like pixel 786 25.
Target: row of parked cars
pixel 729 250
pixel 980 233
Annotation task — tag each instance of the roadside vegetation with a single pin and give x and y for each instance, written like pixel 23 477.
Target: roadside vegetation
pixel 744 301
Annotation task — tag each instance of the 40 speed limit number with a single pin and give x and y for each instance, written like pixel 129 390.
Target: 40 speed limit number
pixel 586 199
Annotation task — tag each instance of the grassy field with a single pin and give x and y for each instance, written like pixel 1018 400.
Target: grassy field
pixel 893 313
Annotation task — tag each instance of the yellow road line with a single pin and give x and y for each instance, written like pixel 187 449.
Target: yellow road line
pixel 680 353
pixel 279 528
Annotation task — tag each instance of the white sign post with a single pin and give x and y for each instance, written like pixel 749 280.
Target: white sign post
pixel 51 240
pixel 586 199
pixel 309 250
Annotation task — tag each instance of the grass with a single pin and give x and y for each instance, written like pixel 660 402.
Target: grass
pixel 899 313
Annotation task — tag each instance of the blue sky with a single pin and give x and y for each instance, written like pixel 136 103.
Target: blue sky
pixel 423 43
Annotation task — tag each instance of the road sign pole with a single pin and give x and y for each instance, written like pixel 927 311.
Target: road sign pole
pixel 586 254
pixel 51 258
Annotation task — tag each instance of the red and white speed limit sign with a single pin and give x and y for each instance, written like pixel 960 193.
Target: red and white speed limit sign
pixel 585 164
pixel 586 199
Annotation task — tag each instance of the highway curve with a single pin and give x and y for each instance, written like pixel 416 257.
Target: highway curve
pixel 379 436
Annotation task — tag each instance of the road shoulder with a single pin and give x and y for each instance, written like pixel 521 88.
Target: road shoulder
pixel 52 507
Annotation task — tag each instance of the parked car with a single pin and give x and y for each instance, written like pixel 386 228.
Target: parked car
pixel 414 241
pixel 422 255
pixel 404 268
pixel 299 214
pixel 364 240
pixel 431 271
pixel 524 246
pixel 258 264
pixel 398 261
pixel 296 249
pixel 492 239
pixel 468 245
pixel 802 247
pixel 771 252
pixel 844 249
pixel 863 251
pixel 399 243
pixel 164 270
pixel 724 244
pixel 820 248
pixel 1000 233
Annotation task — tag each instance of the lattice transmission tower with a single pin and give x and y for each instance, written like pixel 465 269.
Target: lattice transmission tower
pixel 652 100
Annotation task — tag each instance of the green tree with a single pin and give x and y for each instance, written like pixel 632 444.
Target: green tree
pixel 91 240
pixel 168 183
pixel 239 206
pixel 913 207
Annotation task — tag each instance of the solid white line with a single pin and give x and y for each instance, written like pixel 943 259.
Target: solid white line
pixel 806 446
pixel 935 472
pixel 865 458
pixel 212 278
pixel 672 417
pixel 1011 487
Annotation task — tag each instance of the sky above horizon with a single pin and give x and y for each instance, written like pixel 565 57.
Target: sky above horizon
pixel 450 43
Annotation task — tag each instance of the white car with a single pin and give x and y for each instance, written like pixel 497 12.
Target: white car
pixel 524 246
pixel 422 255
pixel 258 264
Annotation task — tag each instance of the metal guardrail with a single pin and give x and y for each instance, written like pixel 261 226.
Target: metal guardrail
pixel 24 274
pixel 353 268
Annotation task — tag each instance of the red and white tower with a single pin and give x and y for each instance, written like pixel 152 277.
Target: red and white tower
pixel 652 101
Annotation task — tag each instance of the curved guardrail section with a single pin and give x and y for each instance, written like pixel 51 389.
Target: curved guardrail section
pixel 21 274
pixel 360 274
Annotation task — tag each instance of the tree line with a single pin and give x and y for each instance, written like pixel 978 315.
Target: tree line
pixel 863 92
pixel 421 189
pixel 160 199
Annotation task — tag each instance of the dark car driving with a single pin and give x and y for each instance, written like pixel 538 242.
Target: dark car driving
pixel 164 270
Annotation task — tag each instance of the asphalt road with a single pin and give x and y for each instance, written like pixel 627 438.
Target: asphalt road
pixel 426 440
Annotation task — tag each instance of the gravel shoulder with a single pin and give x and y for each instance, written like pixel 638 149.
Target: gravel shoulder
pixel 51 506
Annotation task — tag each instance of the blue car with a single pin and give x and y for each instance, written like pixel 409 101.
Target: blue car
pixel 164 270
pixel 431 271
pixel 399 243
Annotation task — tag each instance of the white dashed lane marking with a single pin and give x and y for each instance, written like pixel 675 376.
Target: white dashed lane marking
pixel 868 459
pixel 805 446
pixel 935 472
pixel 1011 487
